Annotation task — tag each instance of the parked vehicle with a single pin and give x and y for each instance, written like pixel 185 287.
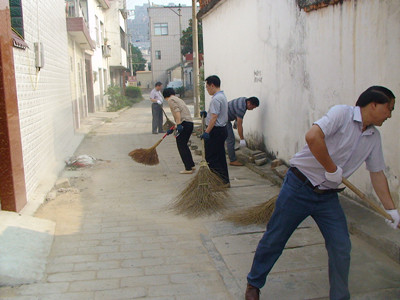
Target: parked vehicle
pixel 176 84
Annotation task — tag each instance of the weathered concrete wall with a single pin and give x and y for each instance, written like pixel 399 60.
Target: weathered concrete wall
pixel 44 98
pixel 300 64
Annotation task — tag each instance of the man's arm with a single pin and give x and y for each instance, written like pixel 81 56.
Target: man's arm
pixel 381 187
pixel 315 139
pixel 240 127
pixel 212 122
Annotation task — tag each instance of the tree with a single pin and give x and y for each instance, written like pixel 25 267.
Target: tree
pixel 187 38
pixel 138 62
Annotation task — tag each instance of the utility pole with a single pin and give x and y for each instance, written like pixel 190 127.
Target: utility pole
pixel 180 48
pixel 131 55
pixel 195 62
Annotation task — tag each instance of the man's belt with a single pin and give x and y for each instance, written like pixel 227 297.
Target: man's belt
pixel 316 189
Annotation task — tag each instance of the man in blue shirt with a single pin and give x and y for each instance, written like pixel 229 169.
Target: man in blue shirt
pixel 236 111
pixel 215 134
pixel 337 144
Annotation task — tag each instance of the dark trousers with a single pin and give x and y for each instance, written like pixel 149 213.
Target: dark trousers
pixel 182 142
pixel 157 122
pixel 215 152
pixel 296 202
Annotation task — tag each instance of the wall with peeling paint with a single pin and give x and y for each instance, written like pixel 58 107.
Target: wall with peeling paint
pixel 300 64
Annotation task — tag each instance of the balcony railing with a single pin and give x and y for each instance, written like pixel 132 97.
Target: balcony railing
pixel 76 9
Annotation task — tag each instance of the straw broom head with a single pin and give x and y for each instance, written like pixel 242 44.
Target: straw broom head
pixel 259 214
pixel 146 156
pixel 204 195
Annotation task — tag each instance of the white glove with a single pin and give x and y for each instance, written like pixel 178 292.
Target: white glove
pixel 243 143
pixel 159 101
pixel 395 216
pixel 336 176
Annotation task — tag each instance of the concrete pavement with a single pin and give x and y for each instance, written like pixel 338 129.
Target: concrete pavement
pixel 115 239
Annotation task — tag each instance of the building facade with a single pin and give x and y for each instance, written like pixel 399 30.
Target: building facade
pixel 166 26
pixel 58 64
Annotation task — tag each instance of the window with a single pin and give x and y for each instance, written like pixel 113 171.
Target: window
pixel 97 31
pixel 16 17
pixel 158 54
pixel 160 29
pixel 122 36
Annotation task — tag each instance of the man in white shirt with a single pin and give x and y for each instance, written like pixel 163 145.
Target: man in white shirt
pixel 337 144
pixel 156 108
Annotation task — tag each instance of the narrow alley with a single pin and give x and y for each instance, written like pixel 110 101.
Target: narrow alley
pixel 116 239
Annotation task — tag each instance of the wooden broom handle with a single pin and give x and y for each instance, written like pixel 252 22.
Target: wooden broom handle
pixel 203 154
pixel 164 112
pixel 360 194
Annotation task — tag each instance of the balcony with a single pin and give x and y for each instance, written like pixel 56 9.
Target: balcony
pixel 77 25
pixel 77 28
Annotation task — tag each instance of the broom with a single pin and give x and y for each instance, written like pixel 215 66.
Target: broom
pixel 168 123
pixel 205 194
pixel 360 194
pixel 259 214
pixel 147 156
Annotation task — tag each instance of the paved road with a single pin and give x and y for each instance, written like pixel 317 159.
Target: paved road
pixel 115 238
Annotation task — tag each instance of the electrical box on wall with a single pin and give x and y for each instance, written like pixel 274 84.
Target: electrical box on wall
pixel 39 55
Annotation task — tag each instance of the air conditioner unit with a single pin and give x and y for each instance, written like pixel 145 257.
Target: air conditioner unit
pixel 106 50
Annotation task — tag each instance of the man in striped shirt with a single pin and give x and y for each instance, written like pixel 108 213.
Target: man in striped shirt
pixel 236 111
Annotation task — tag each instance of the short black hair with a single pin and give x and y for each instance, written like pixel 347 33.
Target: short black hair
pixel 382 89
pixel 168 92
pixel 158 83
pixel 213 79
pixel 254 101
pixel 370 96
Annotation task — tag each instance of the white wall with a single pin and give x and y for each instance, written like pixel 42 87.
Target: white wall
pixel 300 64
pixel 44 98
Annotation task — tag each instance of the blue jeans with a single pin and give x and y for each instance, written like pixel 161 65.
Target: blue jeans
pixel 296 202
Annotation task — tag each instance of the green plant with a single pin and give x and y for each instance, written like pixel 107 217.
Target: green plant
pixel 115 98
pixel 134 94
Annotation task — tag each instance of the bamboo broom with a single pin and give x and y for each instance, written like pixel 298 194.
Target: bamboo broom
pixel 372 204
pixel 258 214
pixel 261 213
pixel 168 123
pixel 205 193
pixel 147 156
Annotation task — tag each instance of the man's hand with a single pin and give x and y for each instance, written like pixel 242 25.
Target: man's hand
pixel 159 101
pixel 203 114
pixel 179 128
pixel 243 143
pixel 169 131
pixel 336 176
pixel 395 216
pixel 205 136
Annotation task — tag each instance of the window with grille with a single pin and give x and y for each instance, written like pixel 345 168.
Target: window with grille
pixel 158 54
pixel 17 22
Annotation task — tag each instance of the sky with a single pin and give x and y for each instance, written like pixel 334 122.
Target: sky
pixel 131 3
